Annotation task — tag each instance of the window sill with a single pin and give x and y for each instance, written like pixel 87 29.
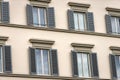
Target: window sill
pixel 46 77
pixel 59 30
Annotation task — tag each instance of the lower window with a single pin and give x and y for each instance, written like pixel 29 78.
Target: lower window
pixel 42 61
pixel 1 60
pixel 117 60
pixel 83 62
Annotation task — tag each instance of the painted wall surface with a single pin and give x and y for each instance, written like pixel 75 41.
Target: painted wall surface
pixel 19 38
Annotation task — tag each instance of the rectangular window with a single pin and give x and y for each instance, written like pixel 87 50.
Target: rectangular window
pixel 79 21
pixel 39 16
pixel 117 60
pixel 42 61
pixel 83 62
pixel 115 22
pixel 1 62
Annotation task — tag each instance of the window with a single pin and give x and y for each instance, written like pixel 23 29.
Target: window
pixel 39 16
pixel 42 61
pixel 115 21
pixel 80 21
pixel 117 60
pixel 83 62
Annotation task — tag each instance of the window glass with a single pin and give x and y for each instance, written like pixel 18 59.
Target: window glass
pixel 83 64
pixel 79 21
pixel 115 21
pixel 42 61
pixel 118 66
pixel 0 59
pixel 39 16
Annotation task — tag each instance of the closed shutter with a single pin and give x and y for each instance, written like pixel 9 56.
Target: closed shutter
pixel 108 23
pixel 54 62
pixel 113 66
pixel 74 64
pixel 50 17
pixel 94 65
pixel 90 21
pixel 5 12
pixel 32 61
pixel 7 59
pixel 70 19
pixel 29 11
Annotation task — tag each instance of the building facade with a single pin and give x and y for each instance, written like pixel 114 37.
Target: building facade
pixel 59 40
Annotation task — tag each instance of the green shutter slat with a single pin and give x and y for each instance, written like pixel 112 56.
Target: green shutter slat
pixel 7 59
pixel 29 12
pixel 113 66
pixel 94 65
pixel 74 63
pixel 5 12
pixel 51 17
pixel 108 23
pixel 70 19
pixel 32 61
pixel 90 21
pixel 54 62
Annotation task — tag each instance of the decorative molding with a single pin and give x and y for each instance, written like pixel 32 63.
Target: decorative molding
pixel 47 77
pixel 60 30
pixel 2 38
pixel 39 4
pixel 79 4
pixel 45 1
pixel 82 45
pixel 112 9
pixel 42 41
pixel 114 48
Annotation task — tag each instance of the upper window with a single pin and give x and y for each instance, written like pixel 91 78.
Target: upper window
pixel 113 20
pixel 40 16
pixel 79 18
pixel 84 62
pixel 43 59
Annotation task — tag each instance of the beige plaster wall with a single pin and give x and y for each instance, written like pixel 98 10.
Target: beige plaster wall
pixel 19 38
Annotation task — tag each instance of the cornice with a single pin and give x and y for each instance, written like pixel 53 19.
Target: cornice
pixel 82 45
pixel 79 4
pixel 46 1
pixel 112 9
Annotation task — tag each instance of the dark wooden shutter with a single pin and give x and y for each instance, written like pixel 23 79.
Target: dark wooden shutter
pixel 5 12
pixel 54 62
pixel 32 61
pixel 29 11
pixel 74 64
pixel 113 66
pixel 50 17
pixel 7 59
pixel 108 23
pixel 70 19
pixel 90 21
pixel 94 65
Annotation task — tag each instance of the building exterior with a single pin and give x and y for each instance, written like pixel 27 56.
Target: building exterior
pixel 59 40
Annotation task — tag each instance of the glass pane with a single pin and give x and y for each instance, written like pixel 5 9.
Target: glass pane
pixel 45 62
pixel 35 16
pixel 79 59
pixel 118 25
pixel 42 16
pixel 113 21
pixel 85 65
pixel 81 21
pixel 0 59
pixel 38 61
pixel 76 24
pixel 118 65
